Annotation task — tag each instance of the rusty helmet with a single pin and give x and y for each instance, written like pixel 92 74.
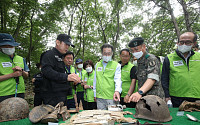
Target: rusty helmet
pixel 153 108
pixel 39 112
pixel 13 109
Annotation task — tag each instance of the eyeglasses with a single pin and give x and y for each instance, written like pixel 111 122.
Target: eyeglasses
pixel 107 54
pixel 188 43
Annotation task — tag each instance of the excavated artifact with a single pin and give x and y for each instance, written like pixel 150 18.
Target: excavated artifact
pixel 13 109
pixel 153 108
pixel 39 112
pixel 189 106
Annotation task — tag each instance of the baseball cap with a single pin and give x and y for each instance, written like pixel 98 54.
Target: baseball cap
pixel 136 42
pixel 79 60
pixel 7 39
pixel 66 39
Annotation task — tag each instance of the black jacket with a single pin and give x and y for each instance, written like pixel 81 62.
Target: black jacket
pixel 54 74
pixel 38 82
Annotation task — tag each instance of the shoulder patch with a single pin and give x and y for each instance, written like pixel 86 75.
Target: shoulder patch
pixel 152 63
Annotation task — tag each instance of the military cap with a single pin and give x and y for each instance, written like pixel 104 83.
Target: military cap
pixel 136 42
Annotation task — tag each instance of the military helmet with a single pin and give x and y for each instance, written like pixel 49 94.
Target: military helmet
pixel 13 109
pixel 153 108
pixel 38 112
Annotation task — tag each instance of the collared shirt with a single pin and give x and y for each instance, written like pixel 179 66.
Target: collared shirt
pixel 117 78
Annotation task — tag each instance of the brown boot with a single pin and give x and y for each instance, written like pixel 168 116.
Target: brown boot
pixel 53 117
pixel 189 106
pixel 65 114
pixel 50 117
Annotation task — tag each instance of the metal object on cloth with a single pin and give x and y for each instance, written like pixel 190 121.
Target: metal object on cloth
pixel 117 107
pixel 192 118
pixel 153 108
pixel 14 108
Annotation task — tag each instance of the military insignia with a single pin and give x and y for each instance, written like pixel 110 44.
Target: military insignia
pixel 152 63
pixel 135 43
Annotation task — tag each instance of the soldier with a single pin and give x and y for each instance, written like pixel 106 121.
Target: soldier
pixel 148 71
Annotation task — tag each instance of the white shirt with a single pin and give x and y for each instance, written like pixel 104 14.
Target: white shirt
pixel 117 78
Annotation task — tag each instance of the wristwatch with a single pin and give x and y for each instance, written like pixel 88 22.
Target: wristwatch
pixel 140 92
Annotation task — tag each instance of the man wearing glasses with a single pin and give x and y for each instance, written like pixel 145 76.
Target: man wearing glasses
pixel 107 79
pixel 180 71
pixel 148 71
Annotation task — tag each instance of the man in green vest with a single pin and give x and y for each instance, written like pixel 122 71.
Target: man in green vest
pixel 128 77
pixel 12 69
pixel 107 79
pixel 180 71
pixel 148 71
pixel 68 60
pixel 80 87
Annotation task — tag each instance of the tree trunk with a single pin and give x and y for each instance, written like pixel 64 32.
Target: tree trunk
pixel 100 24
pixel 186 15
pixel 21 19
pixel 80 37
pixel 170 10
pixel 173 19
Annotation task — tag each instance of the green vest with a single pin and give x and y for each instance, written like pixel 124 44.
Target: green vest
pixel 105 85
pixel 7 87
pixel 126 80
pixel 72 70
pixel 184 80
pixel 90 94
pixel 79 88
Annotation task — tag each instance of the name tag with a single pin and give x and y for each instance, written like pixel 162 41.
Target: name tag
pixel 6 64
pixel 99 69
pixel 178 63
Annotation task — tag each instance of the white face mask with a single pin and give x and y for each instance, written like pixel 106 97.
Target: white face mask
pixel 138 54
pixel 8 51
pixel 135 62
pixel 184 48
pixel 80 66
pixel 107 58
pixel 89 69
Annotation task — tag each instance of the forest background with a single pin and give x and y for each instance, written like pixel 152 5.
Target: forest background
pixel 35 24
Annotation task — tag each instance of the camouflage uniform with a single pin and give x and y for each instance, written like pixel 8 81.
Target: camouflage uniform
pixel 149 67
